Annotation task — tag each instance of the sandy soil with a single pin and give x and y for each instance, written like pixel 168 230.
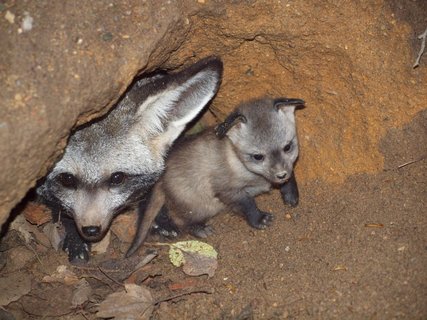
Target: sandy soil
pixel 350 251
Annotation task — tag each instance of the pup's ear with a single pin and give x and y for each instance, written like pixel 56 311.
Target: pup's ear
pixel 288 105
pixel 280 103
pixel 172 101
pixel 234 118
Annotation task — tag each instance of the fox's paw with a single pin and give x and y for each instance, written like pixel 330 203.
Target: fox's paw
pixel 263 220
pixel 165 231
pixel 291 199
pixel 201 230
pixel 77 250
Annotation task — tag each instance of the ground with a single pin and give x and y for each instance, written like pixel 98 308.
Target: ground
pixel 356 250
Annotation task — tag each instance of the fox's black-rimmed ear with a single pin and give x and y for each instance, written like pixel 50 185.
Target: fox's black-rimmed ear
pixel 288 102
pixel 222 129
pixel 173 100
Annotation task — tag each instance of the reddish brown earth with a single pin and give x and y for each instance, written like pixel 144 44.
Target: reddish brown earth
pixel 357 250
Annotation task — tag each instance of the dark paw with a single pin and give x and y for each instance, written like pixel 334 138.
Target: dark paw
pixel 291 199
pixel 77 250
pixel 264 220
pixel 168 232
pixel 201 230
pixel 164 225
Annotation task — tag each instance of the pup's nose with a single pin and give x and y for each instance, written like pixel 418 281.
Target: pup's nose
pixel 282 175
pixel 91 231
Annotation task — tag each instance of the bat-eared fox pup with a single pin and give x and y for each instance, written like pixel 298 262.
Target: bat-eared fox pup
pixel 112 163
pixel 225 168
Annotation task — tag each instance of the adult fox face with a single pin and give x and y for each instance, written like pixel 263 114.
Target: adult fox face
pixel 111 163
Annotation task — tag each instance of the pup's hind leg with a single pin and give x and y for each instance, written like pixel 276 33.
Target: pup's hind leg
pixel 201 230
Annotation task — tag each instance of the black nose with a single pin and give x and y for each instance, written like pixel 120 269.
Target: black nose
pixel 281 175
pixel 91 231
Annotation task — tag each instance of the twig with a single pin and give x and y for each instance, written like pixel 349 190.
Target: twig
pixel 95 269
pixel 147 259
pixel 410 162
pixel 35 253
pixel 109 277
pixel 178 295
pixel 422 37
pixel 406 164
pixel 85 276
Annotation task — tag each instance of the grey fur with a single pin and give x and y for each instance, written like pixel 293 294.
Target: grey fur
pixel 216 170
pixel 132 139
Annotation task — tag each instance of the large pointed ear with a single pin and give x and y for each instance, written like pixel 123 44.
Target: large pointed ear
pixel 234 118
pixel 171 101
pixel 288 105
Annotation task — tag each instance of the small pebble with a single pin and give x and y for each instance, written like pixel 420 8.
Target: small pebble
pixel 27 22
pixel 10 17
pixel 108 36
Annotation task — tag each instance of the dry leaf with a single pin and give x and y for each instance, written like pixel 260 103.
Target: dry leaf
pixel 47 300
pixel 37 214
pixel 55 233
pixel 29 232
pixel 23 227
pixel 197 264
pixel 81 294
pixel 136 303
pixel 13 287
pixel 197 257
pixel 63 275
pixel 124 227
pixel 101 246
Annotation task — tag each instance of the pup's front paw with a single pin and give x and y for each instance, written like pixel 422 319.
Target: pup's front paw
pixel 262 221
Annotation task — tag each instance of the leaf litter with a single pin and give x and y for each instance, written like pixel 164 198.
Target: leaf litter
pixel 66 292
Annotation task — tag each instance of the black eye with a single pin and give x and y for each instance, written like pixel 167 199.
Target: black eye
pixel 287 147
pixel 258 157
pixel 117 178
pixel 67 180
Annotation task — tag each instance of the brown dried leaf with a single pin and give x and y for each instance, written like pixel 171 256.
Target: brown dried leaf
pixel 47 300
pixel 101 246
pixel 63 275
pixel 13 287
pixel 23 227
pixel 136 303
pixel 37 214
pixel 124 228
pixel 197 264
pixel 81 294
pixel 55 233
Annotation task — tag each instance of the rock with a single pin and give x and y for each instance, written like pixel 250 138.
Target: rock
pixel 51 81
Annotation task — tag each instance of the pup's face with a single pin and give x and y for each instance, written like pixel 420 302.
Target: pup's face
pixel 266 141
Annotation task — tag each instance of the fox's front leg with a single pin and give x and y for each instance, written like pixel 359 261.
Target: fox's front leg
pixel 76 248
pixel 289 191
pixel 256 218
